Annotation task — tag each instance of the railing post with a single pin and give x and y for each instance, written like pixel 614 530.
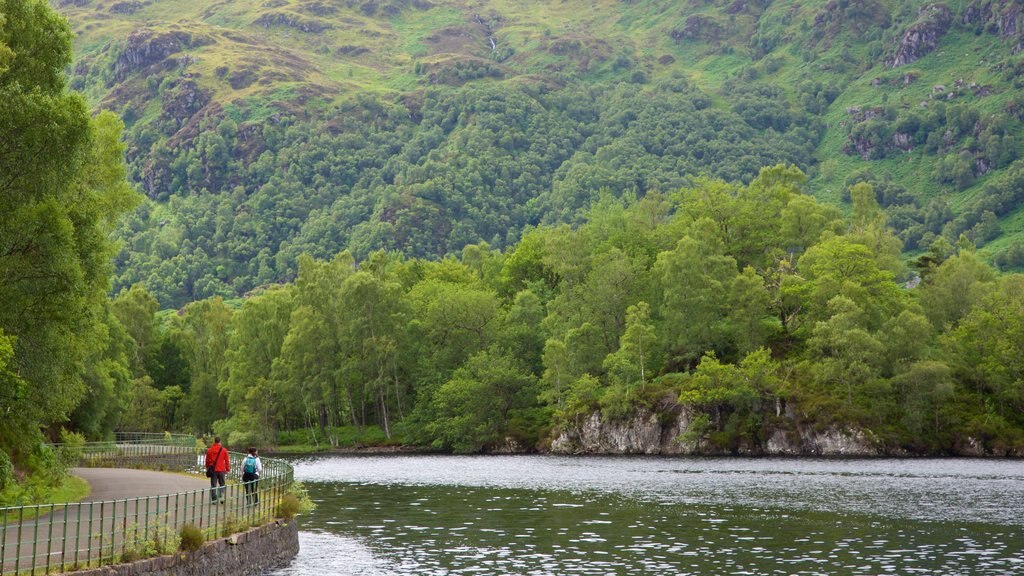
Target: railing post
pixel 102 515
pixel 78 531
pixel 88 538
pixel 3 542
pixel 17 548
pixel 49 537
pixel 124 529
pixel 35 538
pixel 64 539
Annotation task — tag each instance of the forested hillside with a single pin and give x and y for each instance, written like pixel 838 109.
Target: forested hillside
pixel 261 131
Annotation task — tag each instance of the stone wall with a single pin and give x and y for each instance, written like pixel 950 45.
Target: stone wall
pixel 246 554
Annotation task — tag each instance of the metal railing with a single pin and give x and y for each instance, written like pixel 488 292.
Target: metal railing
pixel 53 538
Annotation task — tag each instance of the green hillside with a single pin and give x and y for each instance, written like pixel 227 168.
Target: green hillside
pixel 262 130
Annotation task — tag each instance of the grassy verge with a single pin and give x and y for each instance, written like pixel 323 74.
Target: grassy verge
pixel 73 489
pixel 347 438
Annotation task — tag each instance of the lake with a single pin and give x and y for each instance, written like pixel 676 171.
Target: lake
pixel 549 515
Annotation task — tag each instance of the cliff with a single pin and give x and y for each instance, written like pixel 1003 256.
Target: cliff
pixel 650 433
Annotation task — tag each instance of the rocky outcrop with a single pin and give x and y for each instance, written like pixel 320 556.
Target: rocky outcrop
pixel 701 28
pixel 129 7
pixel 1002 17
pixel 184 100
pixel 651 433
pixel 645 433
pixel 146 47
pixel 922 37
pixel 294 21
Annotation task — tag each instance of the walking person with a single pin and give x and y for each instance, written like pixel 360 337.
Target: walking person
pixel 252 467
pixel 218 464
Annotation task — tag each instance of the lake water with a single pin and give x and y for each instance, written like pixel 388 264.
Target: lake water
pixel 547 515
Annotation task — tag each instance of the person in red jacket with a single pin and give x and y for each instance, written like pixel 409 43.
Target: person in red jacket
pixel 218 464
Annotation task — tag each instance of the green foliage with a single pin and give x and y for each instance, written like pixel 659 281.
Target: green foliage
pixel 472 410
pixel 191 537
pixel 288 507
pixel 640 309
pixel 6 471
pixel 63 190
pixel 157 539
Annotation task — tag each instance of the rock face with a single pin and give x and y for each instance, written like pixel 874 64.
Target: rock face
pixel 184 100
pixel 1002 17
pixel 308 25
pixel 645 433
pixel 923 35
pixel 146 47
pixel 649 433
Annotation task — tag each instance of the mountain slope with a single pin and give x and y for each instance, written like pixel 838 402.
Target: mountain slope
pixel 262 130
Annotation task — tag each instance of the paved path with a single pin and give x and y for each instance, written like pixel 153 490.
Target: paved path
pixel 119 483
pixel 106 485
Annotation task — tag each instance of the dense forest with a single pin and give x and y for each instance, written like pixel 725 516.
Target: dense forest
pixel 471 228
pixel 732 300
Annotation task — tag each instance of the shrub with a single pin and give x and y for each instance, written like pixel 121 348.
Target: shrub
pixel 6 470
pixel 157 539
pixel 191 538
pixel 288 507
pixel 233 525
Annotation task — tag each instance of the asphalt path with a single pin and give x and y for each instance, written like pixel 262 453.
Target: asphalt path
pixel 120 483
pixel 106 485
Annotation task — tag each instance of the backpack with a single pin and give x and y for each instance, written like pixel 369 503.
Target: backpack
pixel 249 466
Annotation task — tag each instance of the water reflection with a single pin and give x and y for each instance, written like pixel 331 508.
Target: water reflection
pixel 539 516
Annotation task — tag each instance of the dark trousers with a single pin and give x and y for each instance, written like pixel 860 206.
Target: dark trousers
pixel 250 481
pixel 215 480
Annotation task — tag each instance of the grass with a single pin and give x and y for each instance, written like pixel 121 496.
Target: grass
pixel 301 441
pixel 73 489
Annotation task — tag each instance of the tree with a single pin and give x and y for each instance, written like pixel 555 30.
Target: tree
pixel 62 187
pixel 206 328
pixel 136 310
pixel 749 319
pixel 253 396
pixel 950 291
pixel 840 267
pixel 925 388
pixel 733 397
pixel 473 408
pixel 988 346
pixel 845 356
pixel 694 281
pixel 633 364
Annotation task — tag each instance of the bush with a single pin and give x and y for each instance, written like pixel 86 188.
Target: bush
pixel 157 539
pixel 288 507
pixel 233 525
pixel 192 538
pixel 295 501
pixel 71 444
pixel 6 470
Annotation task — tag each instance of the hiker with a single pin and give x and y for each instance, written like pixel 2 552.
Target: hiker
pixel 218 464
pixel 252 467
